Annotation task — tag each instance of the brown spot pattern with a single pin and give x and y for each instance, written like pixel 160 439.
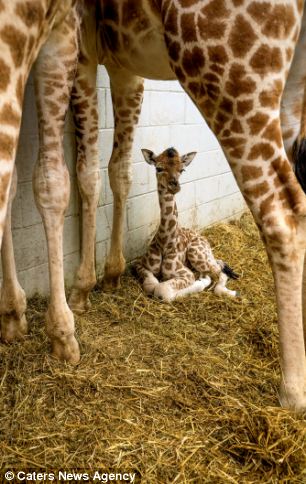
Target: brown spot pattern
pixel 193 61
pixel 242 37
pixel 267 59
pixel 7 146
pixel 257 190
pixel 30 12
pixel 4 75
pixel 261 150
pixel 257 122
pixel 4 182
pixel 250 172
pixel 276 21
pixel 16 41
pixel 9 116
pixel 239 83
pixel 273 132
pixel 189 33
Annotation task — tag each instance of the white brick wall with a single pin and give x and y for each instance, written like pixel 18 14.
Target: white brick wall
pixel 168 118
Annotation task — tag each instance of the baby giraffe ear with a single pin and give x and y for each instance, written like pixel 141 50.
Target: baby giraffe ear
pixel 149 156
pixel 187 159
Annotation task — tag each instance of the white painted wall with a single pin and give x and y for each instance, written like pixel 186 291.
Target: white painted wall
pixel 209 192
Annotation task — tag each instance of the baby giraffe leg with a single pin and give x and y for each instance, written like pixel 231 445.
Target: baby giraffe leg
pixel 198 286
pixel 201 258
pixel 13 300
pixel 220 288
pixel 168 290
pixel 149 281
pixel 180 282
pixel 148 267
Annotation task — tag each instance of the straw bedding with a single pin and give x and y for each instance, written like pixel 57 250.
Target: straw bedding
pixel 181 392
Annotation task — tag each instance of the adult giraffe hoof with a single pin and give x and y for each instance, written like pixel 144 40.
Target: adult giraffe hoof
pixel 292 398
pixel 13 327
pixel 113 270
pixel 111 283
pixel 67 350
pixel 79 301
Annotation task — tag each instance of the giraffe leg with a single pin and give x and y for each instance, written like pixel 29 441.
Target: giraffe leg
pixel 127 94
pixel 54 74
pixel 13 300
pixel 304 300
pixel 179 281
pixel 287 265
pixel 84 105
pixel 201 258
pixel 177 287
pixel 220 288
pixel 293 106
pixel 241 105
pixel 278 211
pixel 277 204
pixel 299 150
pixel 19 47
pixel 148 268
pixel 299 147
pixel 149 280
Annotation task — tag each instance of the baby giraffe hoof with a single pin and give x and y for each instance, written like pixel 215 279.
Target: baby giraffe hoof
pixel 223 291
pixel 79 301
pixel 149 285
pixel 164 292
pixel 205 282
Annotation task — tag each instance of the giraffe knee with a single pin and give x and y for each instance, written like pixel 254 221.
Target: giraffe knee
pixel 120 176
pixel 149 284
pixel 51 184
pixel 89 181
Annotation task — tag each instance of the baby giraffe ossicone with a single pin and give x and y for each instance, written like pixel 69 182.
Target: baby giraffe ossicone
pixel 175 252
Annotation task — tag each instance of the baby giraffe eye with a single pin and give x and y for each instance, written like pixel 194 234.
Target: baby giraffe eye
pixel 159 169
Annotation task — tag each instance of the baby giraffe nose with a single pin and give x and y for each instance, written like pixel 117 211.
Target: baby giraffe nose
pixel 173 182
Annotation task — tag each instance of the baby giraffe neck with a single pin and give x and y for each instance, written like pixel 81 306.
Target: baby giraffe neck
pixel 168 217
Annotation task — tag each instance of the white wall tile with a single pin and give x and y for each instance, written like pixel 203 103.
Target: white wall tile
pixel 209 192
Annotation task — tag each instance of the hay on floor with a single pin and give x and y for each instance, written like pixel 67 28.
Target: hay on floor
pixel 181 392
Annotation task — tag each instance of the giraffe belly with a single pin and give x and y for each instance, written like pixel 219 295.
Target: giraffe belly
pixel 134 40
pixel 150 63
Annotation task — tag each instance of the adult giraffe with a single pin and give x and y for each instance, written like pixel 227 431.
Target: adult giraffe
pixel 232 57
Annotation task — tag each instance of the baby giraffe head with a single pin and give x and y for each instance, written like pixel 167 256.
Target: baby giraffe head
pixel 169 167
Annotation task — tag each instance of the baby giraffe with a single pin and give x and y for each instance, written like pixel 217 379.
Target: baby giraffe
pixel 174 250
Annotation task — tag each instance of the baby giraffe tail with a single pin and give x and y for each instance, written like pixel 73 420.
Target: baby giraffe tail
pixel 299 157
pixel 229 271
